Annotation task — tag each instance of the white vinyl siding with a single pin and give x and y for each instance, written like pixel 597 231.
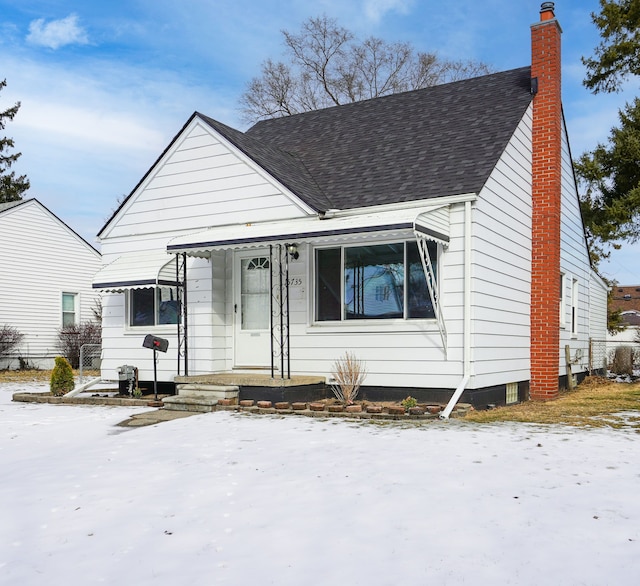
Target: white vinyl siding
pixel 199 182
pixel 198 179
pixel 598 292
pixel 574 264
pixel 186 192
pixel 40 259
pixel 501 267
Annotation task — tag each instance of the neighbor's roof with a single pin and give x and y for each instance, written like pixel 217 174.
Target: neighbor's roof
pixel 625 298
pixel 11 204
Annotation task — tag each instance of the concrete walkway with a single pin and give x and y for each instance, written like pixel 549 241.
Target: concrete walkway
pixel 153 417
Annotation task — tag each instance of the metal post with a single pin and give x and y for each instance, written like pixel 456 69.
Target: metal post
pixel 271 322
pixel 155 374
pixel 280 302
pixel 288 345
pixel 184 313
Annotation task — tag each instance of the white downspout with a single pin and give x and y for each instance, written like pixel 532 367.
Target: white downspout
pixel 466 350
pixel 83 387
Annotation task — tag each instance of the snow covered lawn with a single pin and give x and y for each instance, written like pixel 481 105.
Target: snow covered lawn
pixel 225 498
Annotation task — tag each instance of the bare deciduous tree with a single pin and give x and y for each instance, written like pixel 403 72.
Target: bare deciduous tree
pixel 328 66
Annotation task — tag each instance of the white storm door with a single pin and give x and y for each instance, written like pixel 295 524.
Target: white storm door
pixel 252 310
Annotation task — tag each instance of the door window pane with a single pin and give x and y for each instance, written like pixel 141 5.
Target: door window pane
pixel 254 293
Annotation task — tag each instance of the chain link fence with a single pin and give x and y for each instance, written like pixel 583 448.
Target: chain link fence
pixel 90 358
pixel 613 356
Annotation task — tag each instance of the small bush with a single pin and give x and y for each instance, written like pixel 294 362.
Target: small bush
pixel 61 377
pixel 10 338
pixel 72 338
pixel 408 403
pixel 349 373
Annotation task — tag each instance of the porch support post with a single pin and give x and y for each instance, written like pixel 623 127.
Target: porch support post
pixel 280 309
pixel 185 328
pixel 287 341
pixel 271 315
pixel 182 325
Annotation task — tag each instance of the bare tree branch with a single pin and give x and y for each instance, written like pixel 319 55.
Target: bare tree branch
pixel 327 66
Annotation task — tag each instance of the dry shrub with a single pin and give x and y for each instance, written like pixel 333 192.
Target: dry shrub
pixel 349 374
pixel 72 338
pixel 10 339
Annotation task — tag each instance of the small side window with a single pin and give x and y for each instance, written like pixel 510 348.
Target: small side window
pixel 69 309
pixel 153 306
pixel 574 307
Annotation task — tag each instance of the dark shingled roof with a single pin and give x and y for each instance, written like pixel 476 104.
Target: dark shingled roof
pixel 438 141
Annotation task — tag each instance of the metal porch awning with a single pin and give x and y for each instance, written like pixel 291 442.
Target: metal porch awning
pixel 423 230
pixel 137 270
pixel 432 221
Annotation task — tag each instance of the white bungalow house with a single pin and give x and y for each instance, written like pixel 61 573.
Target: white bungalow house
pixel 434 234
pixel 47 271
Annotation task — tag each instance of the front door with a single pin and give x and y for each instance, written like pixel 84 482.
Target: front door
pixel 252 310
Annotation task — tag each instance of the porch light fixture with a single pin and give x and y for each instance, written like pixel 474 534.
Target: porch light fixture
pixel 292 249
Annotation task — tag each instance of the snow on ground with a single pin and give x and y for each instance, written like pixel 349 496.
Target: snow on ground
pixel 225 498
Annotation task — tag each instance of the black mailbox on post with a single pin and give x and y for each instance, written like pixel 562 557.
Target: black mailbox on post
pixel 155 343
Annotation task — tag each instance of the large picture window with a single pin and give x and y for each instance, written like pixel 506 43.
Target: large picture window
pixel 379 281
pixel 153 306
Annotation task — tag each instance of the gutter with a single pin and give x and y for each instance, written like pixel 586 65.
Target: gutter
pixel 466 368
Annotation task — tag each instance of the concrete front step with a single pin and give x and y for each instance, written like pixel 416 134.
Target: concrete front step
pixel 196 390
pixel 192 404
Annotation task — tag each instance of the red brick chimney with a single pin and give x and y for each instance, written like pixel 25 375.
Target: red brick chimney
pixel 546 196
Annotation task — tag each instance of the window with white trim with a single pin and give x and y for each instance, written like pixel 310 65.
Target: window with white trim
pixel 69 309
pixel 373 281
pixel 574 307
pixel 563 300
pixel 153 306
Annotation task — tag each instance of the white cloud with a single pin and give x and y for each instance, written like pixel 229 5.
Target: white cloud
pixel 57 33
pixel 376 9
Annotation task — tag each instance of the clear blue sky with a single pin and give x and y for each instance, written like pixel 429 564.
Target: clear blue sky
pixel 105 86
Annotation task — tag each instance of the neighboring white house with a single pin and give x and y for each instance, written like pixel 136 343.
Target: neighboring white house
pixel 46 273
pixel 405 229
